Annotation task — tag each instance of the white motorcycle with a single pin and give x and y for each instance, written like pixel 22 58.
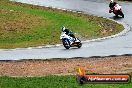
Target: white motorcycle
pixel 69 41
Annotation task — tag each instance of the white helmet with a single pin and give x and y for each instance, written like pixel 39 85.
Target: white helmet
pixel 112 1
pixel 63 29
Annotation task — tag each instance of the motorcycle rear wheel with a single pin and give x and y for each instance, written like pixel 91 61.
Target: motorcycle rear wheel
pixel 79 45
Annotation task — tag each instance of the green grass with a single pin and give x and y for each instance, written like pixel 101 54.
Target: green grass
pixel 23 25
pixel 52 82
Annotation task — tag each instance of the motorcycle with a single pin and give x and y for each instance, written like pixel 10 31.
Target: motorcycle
pixel 69 41
pixel 117 10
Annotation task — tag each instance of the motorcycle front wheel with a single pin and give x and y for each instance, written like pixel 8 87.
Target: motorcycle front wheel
pixel 121 13
pixel 66 44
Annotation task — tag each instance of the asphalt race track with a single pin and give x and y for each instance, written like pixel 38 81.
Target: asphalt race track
pixel 119 45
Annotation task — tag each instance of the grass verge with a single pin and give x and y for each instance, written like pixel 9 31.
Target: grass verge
pixel 23 25
pixel 52 82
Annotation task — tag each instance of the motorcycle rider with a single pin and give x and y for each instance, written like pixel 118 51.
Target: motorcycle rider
pixel 68 32
pixel 114 7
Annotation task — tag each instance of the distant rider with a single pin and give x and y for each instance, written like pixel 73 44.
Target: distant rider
pixel 68 32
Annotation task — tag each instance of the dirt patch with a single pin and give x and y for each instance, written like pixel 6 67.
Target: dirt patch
pixel 106 65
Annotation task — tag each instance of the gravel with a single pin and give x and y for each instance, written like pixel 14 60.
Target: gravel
pixel 102 65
